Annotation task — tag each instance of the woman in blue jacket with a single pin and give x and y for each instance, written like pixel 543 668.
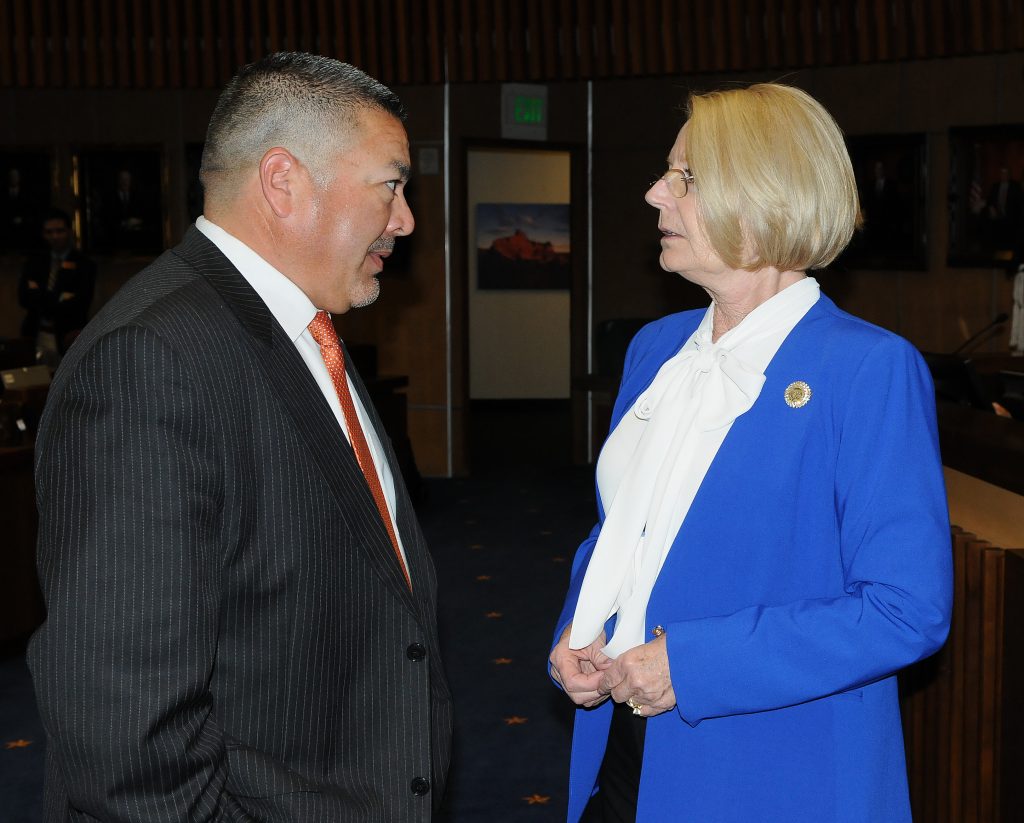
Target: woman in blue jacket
pixel 773 538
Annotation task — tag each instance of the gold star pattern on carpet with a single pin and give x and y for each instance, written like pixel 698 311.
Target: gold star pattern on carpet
pixel 17 744
pixel 502 661
pixel 537 799
pixel 475 546
pixel 515 720
pixel 483 577
pixel 493 615
pixel 558 559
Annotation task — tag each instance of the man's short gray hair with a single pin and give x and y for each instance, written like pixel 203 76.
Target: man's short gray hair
pixel 305 103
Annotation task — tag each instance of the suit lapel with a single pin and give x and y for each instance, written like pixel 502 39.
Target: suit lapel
pixel 288 377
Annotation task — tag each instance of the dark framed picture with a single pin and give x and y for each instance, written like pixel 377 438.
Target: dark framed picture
pixel 523 245
pixel 892 181
pixel 123 199
pixel 27 180
pixel 986 202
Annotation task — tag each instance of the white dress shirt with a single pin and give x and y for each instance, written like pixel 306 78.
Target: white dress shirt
pixel 294 311
pixel 655 460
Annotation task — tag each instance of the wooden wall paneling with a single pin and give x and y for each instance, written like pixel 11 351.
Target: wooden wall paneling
pixel 997 15
pixel 36 41
pixel 900 20
pixel 309 40
pixel 107 46
pixel 74 54
pixel 323 30
pixel 370 36
pixel 289 27
pixel 918 24
pixel 501 41
pixel 90 46
pixel 190 50
pixel 158 68
pixel 972 683
pixel 769 32
pixel 634 40
pixel 274 36
pixel 257 31
pixel 226 45
pixel 516 41
pixel 6 46
pixel 976 19
pixel 653 56
pixel 668 39
pixel 549 35
pixel 435 43
pixel 739 14
pixel 174 56
pixel 414 33
pixel 827 46
pixel 568 32
pixel 1012 725
pixel 143 57
pixel 958 26
pixel 991 682
pixel 956 642
pixel 482 43
pixel 1015 26
pixel 532 44
pixel 209 46
pixel 879 29
pixel 842 31
pixel 451 57
pixel 20 43
pixel 719 41
pixel 861 30
pixel 602 42
pixel 122 44
pixel 462 46
pixel 59 42
pixel 913 682
pixel 618 40
pixel 938 47
pixel 790 33
pixel 809 45
pixel 387 48
pixel 353 39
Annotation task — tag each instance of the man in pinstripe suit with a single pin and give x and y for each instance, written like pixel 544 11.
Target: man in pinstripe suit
pixel 241 607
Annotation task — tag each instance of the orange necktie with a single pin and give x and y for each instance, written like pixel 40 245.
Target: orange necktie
pixel 323 332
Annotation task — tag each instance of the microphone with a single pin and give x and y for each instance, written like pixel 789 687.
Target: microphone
pixel 998 320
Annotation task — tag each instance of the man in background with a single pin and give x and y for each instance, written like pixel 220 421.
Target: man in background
pixel 241 606
pixel 56 290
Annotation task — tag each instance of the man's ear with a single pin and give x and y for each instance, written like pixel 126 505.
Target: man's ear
pixel 280 179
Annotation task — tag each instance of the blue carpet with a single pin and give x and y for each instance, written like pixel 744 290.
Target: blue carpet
pixel 502 544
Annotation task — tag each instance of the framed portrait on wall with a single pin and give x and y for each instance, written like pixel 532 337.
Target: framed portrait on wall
pixel 523 246
pixel 26 177
pixel 986 201
pixel 123 200
pixel 892 183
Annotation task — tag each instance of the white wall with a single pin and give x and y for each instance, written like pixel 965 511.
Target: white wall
pixel 518 340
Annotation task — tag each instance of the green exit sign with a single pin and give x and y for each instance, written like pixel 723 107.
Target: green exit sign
pixel 524 111
pixel 528 109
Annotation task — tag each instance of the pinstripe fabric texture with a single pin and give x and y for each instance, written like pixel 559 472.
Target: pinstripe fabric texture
pixel 228 634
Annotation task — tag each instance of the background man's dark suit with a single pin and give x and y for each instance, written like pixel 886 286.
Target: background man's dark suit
pixel 235 641
pixel 77 275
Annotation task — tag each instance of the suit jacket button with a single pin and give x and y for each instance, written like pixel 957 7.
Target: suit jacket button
pixel 420 786
pixel 416 652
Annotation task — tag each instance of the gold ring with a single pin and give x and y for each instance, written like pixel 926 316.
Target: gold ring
pixel 636 707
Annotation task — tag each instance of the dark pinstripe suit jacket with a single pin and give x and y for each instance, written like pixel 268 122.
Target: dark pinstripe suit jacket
pixel 229 636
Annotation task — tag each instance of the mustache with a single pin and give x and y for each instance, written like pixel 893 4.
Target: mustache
pixel 382 244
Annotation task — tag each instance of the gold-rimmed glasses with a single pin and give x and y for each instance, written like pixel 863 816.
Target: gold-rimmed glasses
pixel 678 181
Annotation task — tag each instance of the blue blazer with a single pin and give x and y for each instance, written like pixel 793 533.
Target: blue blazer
pixel 814 563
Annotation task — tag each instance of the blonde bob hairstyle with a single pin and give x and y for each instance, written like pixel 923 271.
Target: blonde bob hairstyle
pixel 775 186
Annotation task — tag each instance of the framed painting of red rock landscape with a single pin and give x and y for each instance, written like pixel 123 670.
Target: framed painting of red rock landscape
pixel 522 246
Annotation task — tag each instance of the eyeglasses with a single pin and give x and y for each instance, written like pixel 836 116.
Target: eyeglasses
pixel 677 180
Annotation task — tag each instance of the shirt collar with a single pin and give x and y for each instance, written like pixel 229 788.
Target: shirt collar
pixel 286 301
